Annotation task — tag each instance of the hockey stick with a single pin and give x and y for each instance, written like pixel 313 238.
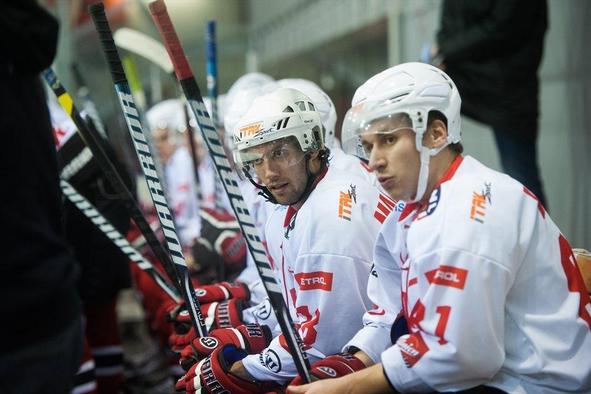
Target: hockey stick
pixel 87 102
pixel 97 11
pixel 94 144
pixel 119 240
pixel 143 45
pixel 224 170
pixel 212 92
pixel 212 70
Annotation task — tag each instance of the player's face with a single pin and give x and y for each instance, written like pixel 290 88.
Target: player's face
pixel 395 159
pixel 163 144
pixel 280 166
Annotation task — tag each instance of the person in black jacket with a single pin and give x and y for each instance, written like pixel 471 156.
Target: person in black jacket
pixel 492 49
pixel 40 335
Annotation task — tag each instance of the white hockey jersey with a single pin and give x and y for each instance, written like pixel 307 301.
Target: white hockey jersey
pixel 322 254
pixel 490 289
pixel 182 196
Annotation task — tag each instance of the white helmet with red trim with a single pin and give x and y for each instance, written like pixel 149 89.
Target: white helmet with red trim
pixel 410 89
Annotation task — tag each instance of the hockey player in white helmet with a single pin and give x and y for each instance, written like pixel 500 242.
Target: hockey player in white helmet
pixel 166 119
pixel 248 288
pixel 320 238
pixel 488 284
pixel 328 116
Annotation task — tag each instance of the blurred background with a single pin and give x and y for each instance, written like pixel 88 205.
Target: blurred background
pixel 339 44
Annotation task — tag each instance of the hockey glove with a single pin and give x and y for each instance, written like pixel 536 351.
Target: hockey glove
pixel 212 375
pixel 252 338
pixel 334 366
pixel 222 291
pixel 225 314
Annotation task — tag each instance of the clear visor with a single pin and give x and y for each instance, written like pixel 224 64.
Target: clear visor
pixel 277 155
pixel 358 126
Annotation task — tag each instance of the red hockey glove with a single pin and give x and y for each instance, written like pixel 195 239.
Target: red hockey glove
pixel 212 375
pixel 222 291
pixel 225 314
pixel 334 366
pixel 252 338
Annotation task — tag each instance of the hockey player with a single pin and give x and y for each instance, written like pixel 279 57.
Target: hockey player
pixel 164 119
pixel 319 237
pixel 488 284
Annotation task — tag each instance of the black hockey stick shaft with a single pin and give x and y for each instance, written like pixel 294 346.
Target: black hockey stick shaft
pixel 132 118
pixel 87 103
pixel 224 170
pixel 94 143
pixel 117 238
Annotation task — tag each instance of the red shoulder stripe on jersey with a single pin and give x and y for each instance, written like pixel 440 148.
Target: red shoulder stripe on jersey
pixel 540 206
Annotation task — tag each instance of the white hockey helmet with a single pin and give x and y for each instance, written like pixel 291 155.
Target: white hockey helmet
pixel 282 113
pixel 412 89
pixel 167 114
pixel 249 80
pixel 240 101
pixel 322 102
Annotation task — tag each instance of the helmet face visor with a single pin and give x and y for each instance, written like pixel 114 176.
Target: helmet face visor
pixel 281 154
pixel 358 124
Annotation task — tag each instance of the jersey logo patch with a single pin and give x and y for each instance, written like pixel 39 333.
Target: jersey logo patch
pixel 479 201
pixel 384 207
pixel 412 347
pixel 317 280
pixel 431 205
pixel 346 201
pixel 448 276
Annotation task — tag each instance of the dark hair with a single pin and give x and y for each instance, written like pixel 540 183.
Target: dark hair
pixel 457 148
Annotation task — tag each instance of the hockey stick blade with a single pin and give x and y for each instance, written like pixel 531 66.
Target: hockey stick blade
pixel 143 45
pixel 117 238
pixel 134 126
pixel 224 170
pixel 93 142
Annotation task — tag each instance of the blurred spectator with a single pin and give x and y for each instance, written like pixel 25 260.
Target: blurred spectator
pixel 492 50
pixel 41 337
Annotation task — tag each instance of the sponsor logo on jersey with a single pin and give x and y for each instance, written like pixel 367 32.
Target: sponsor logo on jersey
pixel 384 207
pixel 270 360
pixel 208 342
pixel 412 347
pixel 317 280
pixel 346 201
pixel 448 276
pixel 200 292
pixel 430 208
pixel 479 202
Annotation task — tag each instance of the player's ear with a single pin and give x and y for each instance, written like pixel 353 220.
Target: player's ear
pixel 436 135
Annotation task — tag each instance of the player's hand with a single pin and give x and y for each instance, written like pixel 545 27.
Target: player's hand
pixel 222 291
pixel 251 338
pixel 333 366
pixel 225 314
pixel 212 375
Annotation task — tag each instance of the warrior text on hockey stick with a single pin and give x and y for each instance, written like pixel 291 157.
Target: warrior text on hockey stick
pixel 94 143
pixel 119 240
pixel 134 126
pixel 222 166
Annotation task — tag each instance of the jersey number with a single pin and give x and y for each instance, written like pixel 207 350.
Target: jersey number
pixel 418 314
